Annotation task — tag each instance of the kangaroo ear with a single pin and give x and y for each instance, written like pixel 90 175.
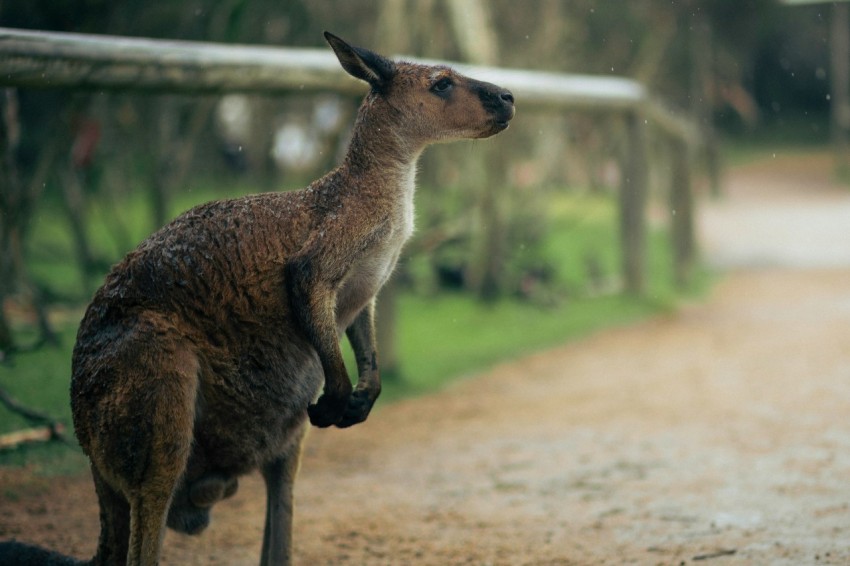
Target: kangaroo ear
pixel 361 63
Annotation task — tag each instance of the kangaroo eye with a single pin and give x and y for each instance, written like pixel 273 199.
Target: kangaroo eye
pixel 442 86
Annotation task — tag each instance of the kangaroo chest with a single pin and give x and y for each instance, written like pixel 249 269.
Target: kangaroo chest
pixel 363 282
pixel 371 272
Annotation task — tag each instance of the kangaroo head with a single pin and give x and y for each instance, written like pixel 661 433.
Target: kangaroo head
pixel 427 103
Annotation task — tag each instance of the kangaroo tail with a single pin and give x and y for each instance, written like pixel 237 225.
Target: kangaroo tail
pixel 14 553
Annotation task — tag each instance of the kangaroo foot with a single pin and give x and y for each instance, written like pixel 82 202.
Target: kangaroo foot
pixel 190 510
pixel 188 519
pixel 208 490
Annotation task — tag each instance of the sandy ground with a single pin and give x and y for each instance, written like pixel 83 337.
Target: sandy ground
pixel 718 434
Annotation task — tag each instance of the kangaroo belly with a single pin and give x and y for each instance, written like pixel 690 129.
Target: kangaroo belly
pixel 250 406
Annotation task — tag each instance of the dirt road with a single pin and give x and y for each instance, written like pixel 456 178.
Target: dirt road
pixel 715 435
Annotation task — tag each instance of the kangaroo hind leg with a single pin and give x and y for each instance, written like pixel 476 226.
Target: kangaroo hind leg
pixel 279 475
pixel 114 523
pixel 148 439
pixel 170 419
pixel 193 501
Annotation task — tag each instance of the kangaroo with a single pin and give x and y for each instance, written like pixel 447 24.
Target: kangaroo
pixel 199 358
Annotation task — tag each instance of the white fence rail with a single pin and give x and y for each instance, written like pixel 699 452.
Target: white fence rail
pixel 102 62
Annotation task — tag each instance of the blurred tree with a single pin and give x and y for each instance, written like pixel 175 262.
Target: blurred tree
pixel 17 201
pixel 474 33
pixel 840 85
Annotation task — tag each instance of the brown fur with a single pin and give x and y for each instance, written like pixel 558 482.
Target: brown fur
pixel 199 357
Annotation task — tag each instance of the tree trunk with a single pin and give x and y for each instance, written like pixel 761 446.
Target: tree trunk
pixel 633 194
pixel 840 85
pixel 17 201
pixel 702 53
pixel 478 44
pixel 9 210
pixel 73 197
pixel 392 37
pixel 386 328
pixel 681 211
pixel 473 31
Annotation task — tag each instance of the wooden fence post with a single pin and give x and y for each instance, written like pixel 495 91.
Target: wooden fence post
pixel 386 325
pixel 633 195
pixel 681 212
pixel 840 85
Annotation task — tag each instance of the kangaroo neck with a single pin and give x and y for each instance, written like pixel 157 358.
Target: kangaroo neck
pixel 378 149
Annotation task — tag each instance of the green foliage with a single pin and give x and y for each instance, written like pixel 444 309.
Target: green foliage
pixel 114 228
pixel 451 334
pixel 40 380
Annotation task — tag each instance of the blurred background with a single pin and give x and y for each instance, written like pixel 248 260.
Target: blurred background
pixel 517 244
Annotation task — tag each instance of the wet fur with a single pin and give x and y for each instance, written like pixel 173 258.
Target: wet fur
pixel 198 359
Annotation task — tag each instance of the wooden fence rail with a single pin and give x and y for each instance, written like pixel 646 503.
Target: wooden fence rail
pixel 37 59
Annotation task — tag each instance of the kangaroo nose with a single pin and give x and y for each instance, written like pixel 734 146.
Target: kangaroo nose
pixel 507 96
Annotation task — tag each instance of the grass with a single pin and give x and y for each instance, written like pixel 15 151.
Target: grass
pixel 448 336
pixel 40 380
pixel 439 337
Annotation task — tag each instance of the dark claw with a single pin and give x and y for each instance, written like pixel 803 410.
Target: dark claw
pixel 358 408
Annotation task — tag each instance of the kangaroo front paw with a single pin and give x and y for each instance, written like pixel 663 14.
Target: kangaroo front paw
pixel 358 408
pixel 327 411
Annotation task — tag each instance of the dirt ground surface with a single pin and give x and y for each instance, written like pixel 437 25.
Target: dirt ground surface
pixel 718 434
